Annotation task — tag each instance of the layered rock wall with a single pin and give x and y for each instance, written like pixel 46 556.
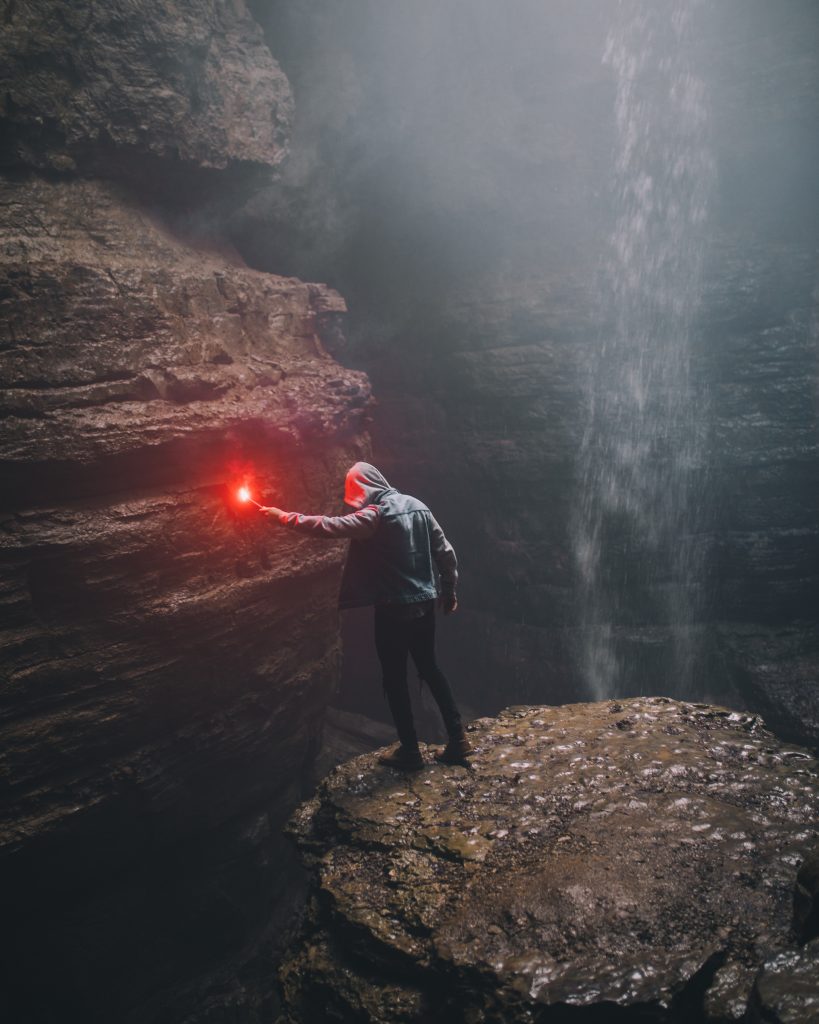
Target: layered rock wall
pixel 166 656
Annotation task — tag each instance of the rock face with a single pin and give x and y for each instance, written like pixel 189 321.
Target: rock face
pixel 161 647
pixel 85 86
pixel 117 339
pixel 166 656
pixel 634 859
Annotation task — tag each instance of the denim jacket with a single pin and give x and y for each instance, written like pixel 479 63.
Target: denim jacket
pixel 396 544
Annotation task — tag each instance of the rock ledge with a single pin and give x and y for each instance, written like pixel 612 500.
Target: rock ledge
pixel 638 858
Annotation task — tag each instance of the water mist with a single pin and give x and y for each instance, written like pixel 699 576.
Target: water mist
pixel 641 477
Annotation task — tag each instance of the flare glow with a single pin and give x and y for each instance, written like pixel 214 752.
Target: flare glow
pixel 244 496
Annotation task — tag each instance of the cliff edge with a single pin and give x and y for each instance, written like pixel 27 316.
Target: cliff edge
pixel 645 860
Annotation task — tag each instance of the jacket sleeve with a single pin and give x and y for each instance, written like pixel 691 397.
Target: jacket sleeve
pixel 358 525
pixel 445 559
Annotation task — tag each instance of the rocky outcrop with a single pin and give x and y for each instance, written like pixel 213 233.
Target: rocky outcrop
pixel 120 339
pixel 166 655
pixel 94 87
pixel 628 861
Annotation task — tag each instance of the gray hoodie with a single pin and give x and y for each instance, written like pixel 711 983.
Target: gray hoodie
pixel 397 545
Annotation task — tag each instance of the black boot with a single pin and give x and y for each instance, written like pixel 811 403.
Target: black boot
pixel 456 751
pixel 406 759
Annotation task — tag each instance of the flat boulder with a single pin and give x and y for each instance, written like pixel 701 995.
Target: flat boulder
pixel 636 857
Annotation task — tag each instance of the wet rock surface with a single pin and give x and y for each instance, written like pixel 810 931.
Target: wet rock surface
pixel 637 859
pixel 785 992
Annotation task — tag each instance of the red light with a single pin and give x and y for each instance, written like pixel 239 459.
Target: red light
pixel 244 496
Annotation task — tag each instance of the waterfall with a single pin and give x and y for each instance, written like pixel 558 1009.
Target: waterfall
pixel 640 466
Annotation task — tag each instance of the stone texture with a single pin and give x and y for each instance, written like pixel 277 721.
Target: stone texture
pixel 188 81
pixel 166 656
pixel 785 992
pixel 109 322
pixel 636 859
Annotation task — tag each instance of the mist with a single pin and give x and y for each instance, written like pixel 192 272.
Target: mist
pixel 608 392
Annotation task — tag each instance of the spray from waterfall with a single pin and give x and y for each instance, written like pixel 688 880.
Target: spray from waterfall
pixel 640 472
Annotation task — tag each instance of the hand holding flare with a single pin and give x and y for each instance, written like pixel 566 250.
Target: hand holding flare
pixel 243 496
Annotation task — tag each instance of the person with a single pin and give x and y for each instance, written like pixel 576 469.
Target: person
pixel 396 546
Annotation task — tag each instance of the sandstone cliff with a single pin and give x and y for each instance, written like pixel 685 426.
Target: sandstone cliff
pixel 647 860
pixel 166 657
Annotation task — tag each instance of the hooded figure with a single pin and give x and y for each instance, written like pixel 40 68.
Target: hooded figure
pixel 398 553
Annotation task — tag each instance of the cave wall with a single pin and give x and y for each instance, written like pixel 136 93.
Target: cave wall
pixel 460 164
pixel 166 657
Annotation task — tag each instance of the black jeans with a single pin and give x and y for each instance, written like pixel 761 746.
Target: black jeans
pixel 395 638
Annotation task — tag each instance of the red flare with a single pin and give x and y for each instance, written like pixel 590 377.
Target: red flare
pixel 243 495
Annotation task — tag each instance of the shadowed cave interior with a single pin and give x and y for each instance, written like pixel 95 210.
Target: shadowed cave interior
pixel 553 267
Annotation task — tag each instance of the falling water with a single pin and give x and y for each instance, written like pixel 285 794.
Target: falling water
pixel 640 465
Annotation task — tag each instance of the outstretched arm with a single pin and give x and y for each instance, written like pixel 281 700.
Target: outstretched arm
pixel 358 525
pixel 447 562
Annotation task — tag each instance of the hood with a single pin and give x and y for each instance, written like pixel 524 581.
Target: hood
pixel 363 485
